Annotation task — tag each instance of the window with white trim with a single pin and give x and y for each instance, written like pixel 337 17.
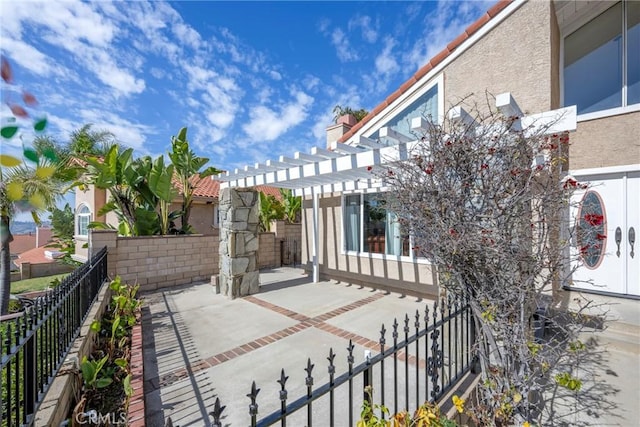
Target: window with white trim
pixel 371 228
pixel 83 215
pixel 602 60
pixel 425 106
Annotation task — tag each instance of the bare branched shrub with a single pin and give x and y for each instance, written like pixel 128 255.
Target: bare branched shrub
pixel 488 204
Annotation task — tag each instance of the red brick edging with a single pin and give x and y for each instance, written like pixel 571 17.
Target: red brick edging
pixel 136 403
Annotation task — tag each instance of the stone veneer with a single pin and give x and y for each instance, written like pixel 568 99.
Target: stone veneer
pixel 239 219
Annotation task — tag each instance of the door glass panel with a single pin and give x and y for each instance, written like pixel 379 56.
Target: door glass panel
pixel 591 225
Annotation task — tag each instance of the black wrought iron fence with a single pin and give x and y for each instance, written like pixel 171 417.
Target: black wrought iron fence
pixel 407 371
pixel 34 345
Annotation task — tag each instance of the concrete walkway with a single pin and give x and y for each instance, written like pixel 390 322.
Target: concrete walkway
pixel 199 346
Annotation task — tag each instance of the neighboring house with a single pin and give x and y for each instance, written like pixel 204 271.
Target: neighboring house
pixel 203 218
pixel 547 55
pixel 25 242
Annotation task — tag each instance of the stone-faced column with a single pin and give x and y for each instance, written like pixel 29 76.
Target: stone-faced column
pixel 239 220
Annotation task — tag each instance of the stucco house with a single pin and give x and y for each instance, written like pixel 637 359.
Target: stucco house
pixel 575 57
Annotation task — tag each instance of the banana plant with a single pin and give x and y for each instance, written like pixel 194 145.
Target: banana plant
pixel 270 209
pixel 292 205
pixel 113 172
pixel 187 165
pixel 161 185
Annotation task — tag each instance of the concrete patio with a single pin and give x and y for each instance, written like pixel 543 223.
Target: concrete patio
pixel 199 345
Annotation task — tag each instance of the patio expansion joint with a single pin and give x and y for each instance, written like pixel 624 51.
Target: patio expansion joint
pixel 304 322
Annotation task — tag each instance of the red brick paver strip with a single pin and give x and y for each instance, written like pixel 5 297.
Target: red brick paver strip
pixel 305 322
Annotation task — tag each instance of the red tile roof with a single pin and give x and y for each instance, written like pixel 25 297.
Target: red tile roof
pixel 22 243
pixel 35 256
pixel 437 59
pixel 210 188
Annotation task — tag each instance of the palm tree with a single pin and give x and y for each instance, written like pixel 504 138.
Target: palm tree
pixel 23 187
pixel 87 141
pixel 339 111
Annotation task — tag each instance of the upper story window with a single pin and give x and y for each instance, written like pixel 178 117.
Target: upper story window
pixel 427 103
pixel 370 227
pixel 602 61
pixel 83 216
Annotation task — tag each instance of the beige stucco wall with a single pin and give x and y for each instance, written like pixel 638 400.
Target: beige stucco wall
pixel 389 274
pixel 609 141
pixel 95 199
pixel 516 56
pixel 201 217
pixel 522 56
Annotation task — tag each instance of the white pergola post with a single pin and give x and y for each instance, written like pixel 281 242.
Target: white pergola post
pixel 315 249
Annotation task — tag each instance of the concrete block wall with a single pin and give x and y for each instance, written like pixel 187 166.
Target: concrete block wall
pixel 291 236
pixel 269 252
pixel 164 261
pixel 159 261
pixel 29 271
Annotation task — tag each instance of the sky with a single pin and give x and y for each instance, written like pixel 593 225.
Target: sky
pixel 251 80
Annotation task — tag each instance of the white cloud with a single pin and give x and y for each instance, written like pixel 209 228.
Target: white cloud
pixel 385 62
pixel 310 82
pixel 322 122
pixel 78 28
pixel 441 26
pixel 158 73
pixel 29 57
pixel 266 124
pixel 186 35
pixel 274 75
pixel 369 33
pixel 127 132
pixel 343 48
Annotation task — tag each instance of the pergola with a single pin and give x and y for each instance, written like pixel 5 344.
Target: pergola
pixel 348 167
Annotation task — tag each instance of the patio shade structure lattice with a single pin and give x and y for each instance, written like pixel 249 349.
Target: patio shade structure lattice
pixel 349 166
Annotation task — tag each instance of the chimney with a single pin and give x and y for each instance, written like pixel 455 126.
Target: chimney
pixel 344 124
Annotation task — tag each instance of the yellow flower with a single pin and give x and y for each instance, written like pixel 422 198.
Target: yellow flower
pixel 526 424
pixel 517 397
pixel 458 403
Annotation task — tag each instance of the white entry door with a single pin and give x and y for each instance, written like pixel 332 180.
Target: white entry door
pixel 606 218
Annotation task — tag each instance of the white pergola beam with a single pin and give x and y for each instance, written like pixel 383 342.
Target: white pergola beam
pixel 321 152
pixel 325 171
pixel 388 133
pixel 345 148
pixel 460 115
pixel 508 105
pixel 419 124
pixel 289 161
pixel 368 142
pixel 554 121
pixel 298 155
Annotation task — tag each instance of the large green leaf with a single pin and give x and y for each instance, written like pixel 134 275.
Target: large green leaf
pixel 146 222
pixel 160 180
